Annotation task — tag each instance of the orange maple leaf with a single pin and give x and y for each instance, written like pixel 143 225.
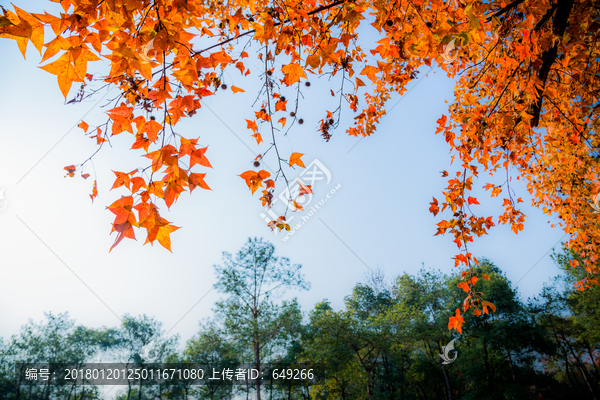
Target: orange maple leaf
pixel 122 180
pixel 124 220
pixel 124 230
pixel 266 198
pixel 293 72
pixel 297 206
pixel 187 147
pixel 433 208
pixel 456 322
pixel 70 170
pixel 280 105
pixel 94 191
pixel 295 159
pixel 172 191
pixel 464 286
pixel 304 189
pixel 251 125
pixel 83 125
pixel 137 183
pixel 472 200
pixel 198 157
pixel 161 232
pixel 254 180
pixel 487 304
pixel 196 180
pixel 65 73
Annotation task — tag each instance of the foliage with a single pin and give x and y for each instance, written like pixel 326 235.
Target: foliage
pixel 385 341
pixel 256 325
pixel 526 95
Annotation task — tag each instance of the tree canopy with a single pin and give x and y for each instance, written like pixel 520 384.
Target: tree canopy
pixel 380 342
pixel 526 96
pixel 250 281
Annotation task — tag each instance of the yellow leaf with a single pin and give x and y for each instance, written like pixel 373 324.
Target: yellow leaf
pixel 370 72
pixel 37 29
pixel 54 46
pixel 65 73
pixel 164 237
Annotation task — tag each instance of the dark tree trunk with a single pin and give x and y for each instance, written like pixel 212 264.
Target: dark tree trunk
pixel 510 362
pixel 563 11
pixel 582 368
pixel 488 368
pixel 447 382
pixel 140 391
pixel 369 384
pixel 257 366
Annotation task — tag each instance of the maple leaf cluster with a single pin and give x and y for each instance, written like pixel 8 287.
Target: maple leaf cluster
pixel 526 100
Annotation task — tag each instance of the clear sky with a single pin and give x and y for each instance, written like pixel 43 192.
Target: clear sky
pixel 54 242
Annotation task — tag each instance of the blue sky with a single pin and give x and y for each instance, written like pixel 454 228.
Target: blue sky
pixel 54 242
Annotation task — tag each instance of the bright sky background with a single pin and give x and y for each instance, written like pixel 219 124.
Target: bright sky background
pixel 54 242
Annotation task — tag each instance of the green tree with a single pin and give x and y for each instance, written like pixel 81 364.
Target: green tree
pixel 339 373
pixel 570 318
pixel 498 353
pixel 211 346
pixel 429 297
pixel 142 339
pixel 249 315
pixel 368 327
pixel 55 339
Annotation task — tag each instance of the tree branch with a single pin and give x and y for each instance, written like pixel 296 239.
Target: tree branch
pixel 561 17
pixel 504 10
